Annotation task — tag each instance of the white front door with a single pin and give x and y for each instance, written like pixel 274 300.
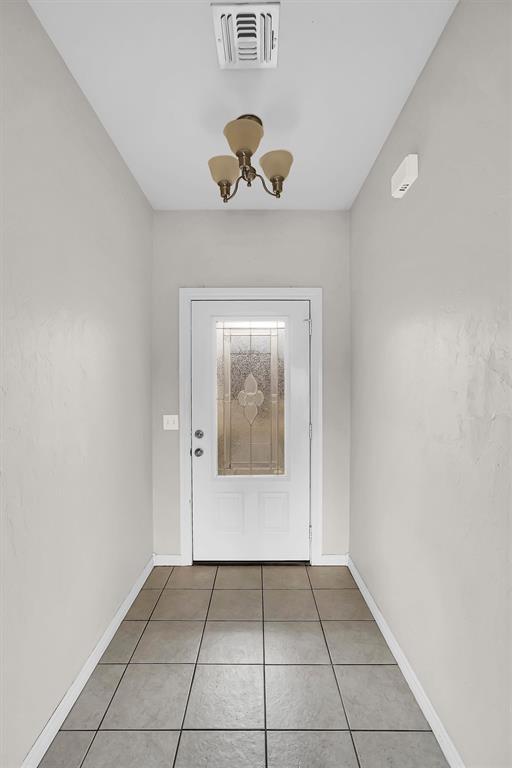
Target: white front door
pixel 250 430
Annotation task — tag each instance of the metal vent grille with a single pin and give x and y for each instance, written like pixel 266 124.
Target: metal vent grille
pixel 246 35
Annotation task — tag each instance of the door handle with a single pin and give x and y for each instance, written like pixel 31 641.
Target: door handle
pixel 198 452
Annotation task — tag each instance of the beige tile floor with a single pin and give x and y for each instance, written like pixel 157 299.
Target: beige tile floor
pixel 246 667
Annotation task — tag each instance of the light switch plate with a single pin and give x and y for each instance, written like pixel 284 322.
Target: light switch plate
pixel 171 422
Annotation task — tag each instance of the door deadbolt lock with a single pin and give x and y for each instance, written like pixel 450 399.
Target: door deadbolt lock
pixel 198 452
pixel 199 433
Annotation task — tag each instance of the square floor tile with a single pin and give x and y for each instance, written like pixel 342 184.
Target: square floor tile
pixel 143 605
pixel 357 642
pixel 184 604
pixel 378 698
pixel 238 577
pixel 295 642
pixel 192 577
pixel 338 604
pixel 92 703
pixel 399 750
pixel 235 605
pixel 232 642
pixel 303 697
pixel 173 642
pixel 289 605
pixel 123 643
pixel 221 749
pixel 226 697
pixel 132 749
pixel 157 579
pixel 67 750
pixel 285 577
pixel 151 696
pixel 331 577
pixel 311 749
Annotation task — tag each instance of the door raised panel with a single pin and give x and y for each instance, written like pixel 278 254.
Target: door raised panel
pixel 273 508
pixel 230 515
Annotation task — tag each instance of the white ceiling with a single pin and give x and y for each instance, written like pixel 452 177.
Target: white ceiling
pixel 149 68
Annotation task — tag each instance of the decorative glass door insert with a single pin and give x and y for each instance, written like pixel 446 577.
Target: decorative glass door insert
pixel 251 397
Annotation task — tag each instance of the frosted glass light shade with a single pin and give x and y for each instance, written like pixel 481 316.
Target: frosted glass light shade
pixel 223 168
pixel 277 163
pixel 243 134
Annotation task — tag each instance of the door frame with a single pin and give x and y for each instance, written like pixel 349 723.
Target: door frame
pixel 186 297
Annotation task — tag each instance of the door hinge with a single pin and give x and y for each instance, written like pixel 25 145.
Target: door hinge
pixel 310 324
pixel 310 531
pixel 310 431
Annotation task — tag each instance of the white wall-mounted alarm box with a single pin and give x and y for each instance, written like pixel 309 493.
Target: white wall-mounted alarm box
pixel 405 175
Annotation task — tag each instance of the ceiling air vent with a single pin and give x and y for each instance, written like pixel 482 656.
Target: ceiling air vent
pixel 246 35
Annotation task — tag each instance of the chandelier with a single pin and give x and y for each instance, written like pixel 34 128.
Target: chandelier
pixel 244 135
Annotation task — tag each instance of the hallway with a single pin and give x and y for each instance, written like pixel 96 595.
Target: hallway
pixel 306 393
pixel 246 667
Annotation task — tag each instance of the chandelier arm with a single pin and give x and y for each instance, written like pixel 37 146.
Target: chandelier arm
pixel 260 177
pixel 235 189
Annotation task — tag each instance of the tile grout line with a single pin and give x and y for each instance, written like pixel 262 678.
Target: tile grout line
pixel 244 663
pixel 257 589
pixel 334 672
pixel 126 665
pixel 254 730
pixel 264 669
pixel 269 621
pixel 195 668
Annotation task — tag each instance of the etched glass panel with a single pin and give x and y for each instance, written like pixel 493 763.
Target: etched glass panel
pixel 250 397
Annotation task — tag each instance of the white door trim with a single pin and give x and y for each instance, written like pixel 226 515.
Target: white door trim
pixel 187 295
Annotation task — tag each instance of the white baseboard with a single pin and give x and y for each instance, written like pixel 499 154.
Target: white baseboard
pixel 315 560
pixel 329 560
pixel 183 560
pixel 447 746
pixel 51 728
pixel 171 560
